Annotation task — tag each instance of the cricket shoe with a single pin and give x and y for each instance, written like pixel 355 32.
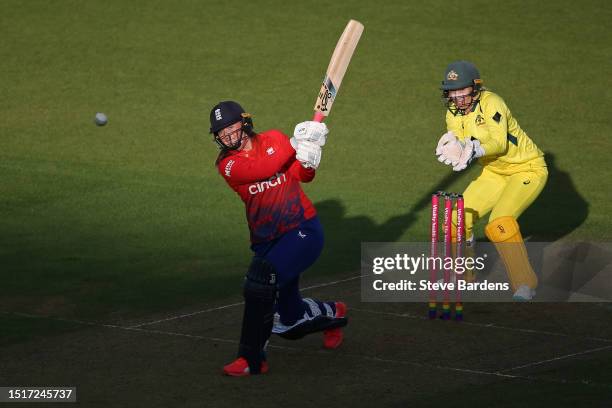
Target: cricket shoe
pixel 524 294
pixel 332 338
pixel 318 317
pixel 240 368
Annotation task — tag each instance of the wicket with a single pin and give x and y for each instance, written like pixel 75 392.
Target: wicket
pixel 448 243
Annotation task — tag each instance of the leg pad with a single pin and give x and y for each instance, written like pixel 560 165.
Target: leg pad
pixel 504 232
pixel 259 296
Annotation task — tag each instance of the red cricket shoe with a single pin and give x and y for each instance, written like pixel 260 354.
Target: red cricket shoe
pixel 332 338
pixel 240 368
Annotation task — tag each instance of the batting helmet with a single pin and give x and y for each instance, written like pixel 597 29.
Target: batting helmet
pixel 227 113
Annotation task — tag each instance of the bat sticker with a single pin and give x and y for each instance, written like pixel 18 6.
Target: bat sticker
pixel 327 95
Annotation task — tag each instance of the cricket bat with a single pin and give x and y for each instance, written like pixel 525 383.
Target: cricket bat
pixel 337 68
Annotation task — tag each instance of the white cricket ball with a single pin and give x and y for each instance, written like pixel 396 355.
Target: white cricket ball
pixel 101 119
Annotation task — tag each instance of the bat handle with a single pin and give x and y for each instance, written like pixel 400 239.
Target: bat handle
pixel 318 117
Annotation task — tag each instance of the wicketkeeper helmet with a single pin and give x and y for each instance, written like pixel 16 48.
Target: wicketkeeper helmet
pixel 459 75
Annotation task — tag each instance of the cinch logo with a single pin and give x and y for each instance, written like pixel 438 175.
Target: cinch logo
pixel 218 114
pixel 228 168
pixel 262 186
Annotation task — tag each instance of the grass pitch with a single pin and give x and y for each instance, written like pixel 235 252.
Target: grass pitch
pixel 131 219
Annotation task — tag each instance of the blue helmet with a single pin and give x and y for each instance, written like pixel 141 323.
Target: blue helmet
pixel 227 113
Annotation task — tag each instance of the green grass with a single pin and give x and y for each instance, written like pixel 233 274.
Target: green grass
pixel 133 217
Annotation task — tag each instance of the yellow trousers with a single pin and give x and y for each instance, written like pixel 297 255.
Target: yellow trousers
pixel 501 195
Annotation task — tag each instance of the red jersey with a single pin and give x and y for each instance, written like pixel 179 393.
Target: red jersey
pixel 267 178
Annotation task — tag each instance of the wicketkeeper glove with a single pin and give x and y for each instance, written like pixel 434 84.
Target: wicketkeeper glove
pixel 449 149
pixel 471 150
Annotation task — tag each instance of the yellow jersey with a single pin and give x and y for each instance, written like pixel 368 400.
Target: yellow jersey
pixel 508 149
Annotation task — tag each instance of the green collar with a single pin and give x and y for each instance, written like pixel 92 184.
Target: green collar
pixel 475 105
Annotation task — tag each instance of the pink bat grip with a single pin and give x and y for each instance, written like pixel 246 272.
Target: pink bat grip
pixel 318 117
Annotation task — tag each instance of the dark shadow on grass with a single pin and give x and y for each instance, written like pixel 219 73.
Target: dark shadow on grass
pixel 556 213
pixel 559 210
pixel 343 235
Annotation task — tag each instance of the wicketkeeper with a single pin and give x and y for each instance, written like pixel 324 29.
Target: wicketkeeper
pixel 481 126
pixel 265 169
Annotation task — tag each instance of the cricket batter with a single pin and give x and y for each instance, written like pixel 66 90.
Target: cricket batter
pixel 265 169
pixel 480 125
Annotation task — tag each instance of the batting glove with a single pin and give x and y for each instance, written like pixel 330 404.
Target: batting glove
pixel 311 131
pixel 308 154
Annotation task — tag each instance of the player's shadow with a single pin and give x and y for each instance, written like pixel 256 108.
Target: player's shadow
pixel 559 210
pixel 344 235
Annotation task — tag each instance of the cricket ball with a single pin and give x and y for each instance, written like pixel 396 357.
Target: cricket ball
pixel 101 119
